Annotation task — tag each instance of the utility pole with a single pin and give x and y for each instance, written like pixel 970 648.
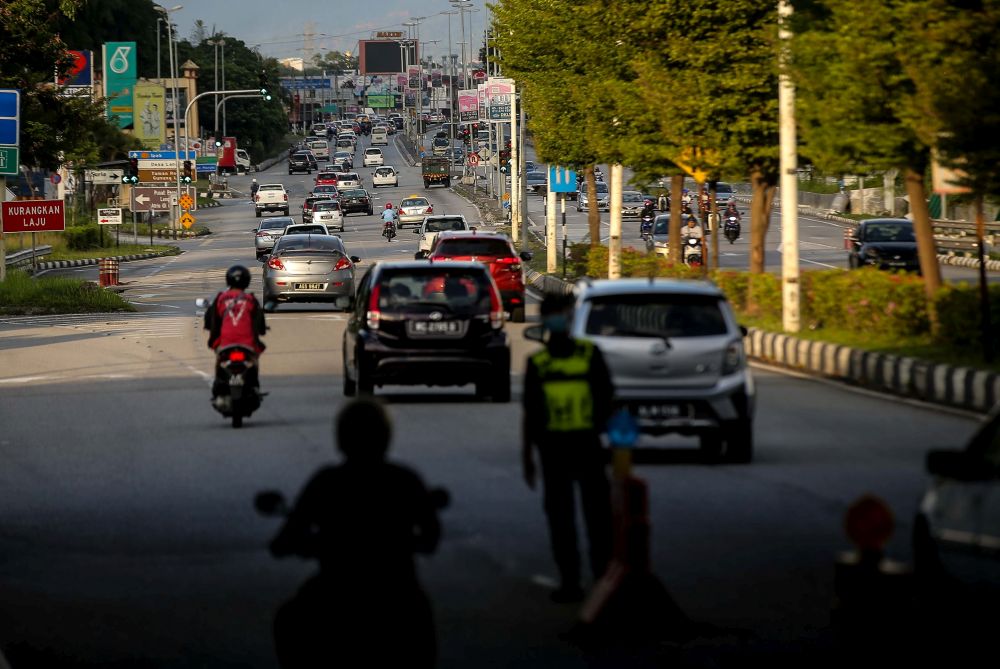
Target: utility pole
pixel 515 193
pixel 790 295
pixel 615 242
pixel 522 192
pixel 551 253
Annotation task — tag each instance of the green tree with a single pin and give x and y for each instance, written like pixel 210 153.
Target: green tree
pixel 858 104
pixel 334 62
pixel 100 21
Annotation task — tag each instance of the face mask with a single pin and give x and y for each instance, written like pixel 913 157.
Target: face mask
pixel 557 324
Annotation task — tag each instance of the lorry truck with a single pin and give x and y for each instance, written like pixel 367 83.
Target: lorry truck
pixel 436 170
pixel 232 159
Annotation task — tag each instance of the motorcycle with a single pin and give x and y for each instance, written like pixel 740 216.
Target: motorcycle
pixel 302 626
pixel 692 252
pixel 646 226
pixel 389 230
pixel 731 229
pixel 236 368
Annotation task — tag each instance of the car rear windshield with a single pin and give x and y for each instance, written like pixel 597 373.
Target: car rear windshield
pixel 373 152
pixel 414 202
pixel 307 230
pixel 274 224
pixel 474 247
pixel 349 176
pixel 326 206
pixel 384 172
pixel 309 244
pixel 327 175
pixel 442 224
pixel 318 145
pixel 357 192
pixel 271 187
pixel 458 291
pixel 656 315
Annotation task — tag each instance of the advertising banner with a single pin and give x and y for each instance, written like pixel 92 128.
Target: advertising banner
pixel 468 105
pixel 481 97
pixel 119 60
pixel 501 94
pixel 413 78
pixel 182 101
pixel 436 79
pixel 381 101
pixel 148 102
pixel 401 82
pixel 81 73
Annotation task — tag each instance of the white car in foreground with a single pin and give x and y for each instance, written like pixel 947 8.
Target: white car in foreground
pixel 385 176
pixel 374 158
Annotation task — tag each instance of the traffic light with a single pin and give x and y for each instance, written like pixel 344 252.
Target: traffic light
pixel 188 174
pixel 131 172
pixel 218 143
pixel 262 84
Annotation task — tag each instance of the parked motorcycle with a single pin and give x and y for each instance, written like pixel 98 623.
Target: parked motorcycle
pixel 731 229
pixel 692 252
pixel 236 368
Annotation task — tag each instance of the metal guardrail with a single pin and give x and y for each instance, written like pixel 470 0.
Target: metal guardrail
pixel 960 236
pixel 25 257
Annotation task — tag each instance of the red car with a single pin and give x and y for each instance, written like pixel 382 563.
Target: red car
pixel 327 179
pixel 496 252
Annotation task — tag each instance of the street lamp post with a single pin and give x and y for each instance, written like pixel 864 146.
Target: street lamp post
pixel 417 20
pixel 451 83
pixel 464 6
pixel 173 106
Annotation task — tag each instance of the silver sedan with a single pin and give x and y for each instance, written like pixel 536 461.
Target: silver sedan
pixel 308 268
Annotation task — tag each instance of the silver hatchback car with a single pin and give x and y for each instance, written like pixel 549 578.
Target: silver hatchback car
pixel 675 352
pixel 267 232
pixel 308 268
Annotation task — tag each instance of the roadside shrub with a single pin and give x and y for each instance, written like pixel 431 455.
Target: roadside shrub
pixel 959 317
pixel 83 237
pixel 865 300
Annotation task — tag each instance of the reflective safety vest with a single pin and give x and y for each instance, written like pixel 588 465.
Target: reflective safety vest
pixel 566 388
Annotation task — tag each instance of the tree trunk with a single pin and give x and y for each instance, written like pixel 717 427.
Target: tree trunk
pixel 922 230
pixel 760 218
pixel 593 213
pixel 674 239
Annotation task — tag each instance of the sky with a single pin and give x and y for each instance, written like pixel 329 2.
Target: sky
pixel 279 26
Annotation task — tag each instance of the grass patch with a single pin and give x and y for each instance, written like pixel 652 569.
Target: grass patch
pixel 22 295
pixel 112 251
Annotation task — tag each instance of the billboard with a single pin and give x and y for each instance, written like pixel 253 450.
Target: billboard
pixel 81 72
pixel 468 105
pixel 182 102
pixel 382 101
pixel 481 96
pixel 148 101
pixel 501 95
pixel 385 56
pixel 436 79
pixel 119 79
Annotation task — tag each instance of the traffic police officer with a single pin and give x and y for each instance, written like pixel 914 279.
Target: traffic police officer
pixel 567 401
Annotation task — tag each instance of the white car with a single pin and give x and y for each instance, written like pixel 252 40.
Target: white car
pixel 307 229
pixel 413 209
pixel 348 180
pixel 373 158
pixel 327 212
pixel 385 176
pixel 380 136
pixel 433 225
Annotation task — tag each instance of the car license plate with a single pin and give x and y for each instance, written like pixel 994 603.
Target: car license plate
pixel 424 328
pixel 310 286
pixel 664 411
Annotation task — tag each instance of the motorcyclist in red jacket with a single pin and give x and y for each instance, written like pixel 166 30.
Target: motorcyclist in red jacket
pixel 235 317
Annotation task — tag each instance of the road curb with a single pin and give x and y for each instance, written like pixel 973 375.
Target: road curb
pixel 84 262
pixel 936 383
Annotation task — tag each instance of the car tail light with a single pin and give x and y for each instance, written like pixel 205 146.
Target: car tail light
pixel 256 198
pixel 430 209
pixel 237 356
pixel 512 263
pixel 263 233
pixel 286 197
pixel 275 263
pixel 343 263
pixel 733 360
pixel 374 315
pixel 496 309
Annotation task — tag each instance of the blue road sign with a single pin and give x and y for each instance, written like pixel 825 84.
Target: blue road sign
pixel 205 168
pixel 161 155
pixel 10 116
pixel 561 179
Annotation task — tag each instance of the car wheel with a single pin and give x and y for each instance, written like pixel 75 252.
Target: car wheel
pixel 500 387
pixel 286 211
pixel 257 213
pixel 578 209
pixel 365 386
pixel 350 386
pixel 289 171
pixel 739 440
pixel 517 315
pixel 927 567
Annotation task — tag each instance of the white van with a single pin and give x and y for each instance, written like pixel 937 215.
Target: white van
pixel 320 149
pixel 380 136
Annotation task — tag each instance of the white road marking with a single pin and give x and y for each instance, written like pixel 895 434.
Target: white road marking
pixel 24 379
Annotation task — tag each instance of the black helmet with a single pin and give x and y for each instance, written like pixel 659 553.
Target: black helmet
pixel 238 276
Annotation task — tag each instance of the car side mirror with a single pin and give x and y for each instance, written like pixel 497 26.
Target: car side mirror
pixel 420 255
pixel 355 259
pixel 744 331
pixel 202 303
pixel 958 465
pixel 416 231
pixel 270 503
pixel 526 255
pixel 535 333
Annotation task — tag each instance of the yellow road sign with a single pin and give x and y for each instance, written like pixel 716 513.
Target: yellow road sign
pixel 186 201
pixel 506 196
pixel 187 220
pixel 694 160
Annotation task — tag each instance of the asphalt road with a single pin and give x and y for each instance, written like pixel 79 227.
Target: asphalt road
pixel 128 537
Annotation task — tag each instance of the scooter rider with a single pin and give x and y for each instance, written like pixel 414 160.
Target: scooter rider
pixel 389 218
pixel 235 317
pixel 254 187
pixel 731 210
pixel 692 229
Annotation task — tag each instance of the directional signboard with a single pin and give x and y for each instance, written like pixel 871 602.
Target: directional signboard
pixel 158 176
pixel 561 179
pixel 162 155
pixel 155 198
pixel 111 177
pixel 500 93
pixel 10 131
pixel 110 216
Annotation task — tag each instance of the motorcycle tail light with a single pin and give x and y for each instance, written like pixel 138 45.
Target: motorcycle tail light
pixel 237 356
